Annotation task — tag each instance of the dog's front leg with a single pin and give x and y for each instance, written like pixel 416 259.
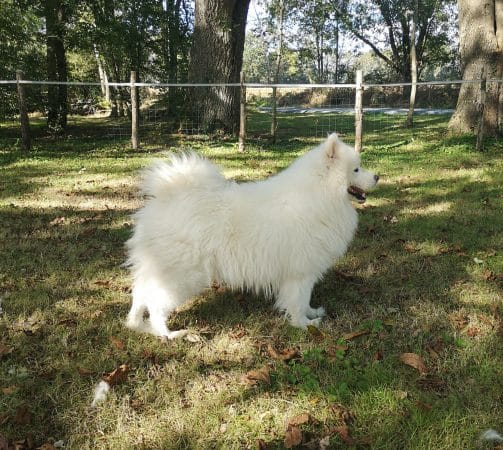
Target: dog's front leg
pixel 293 298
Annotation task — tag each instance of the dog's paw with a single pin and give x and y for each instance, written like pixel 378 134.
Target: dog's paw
pixel 304 322
pixel 315 313
pixel 176 334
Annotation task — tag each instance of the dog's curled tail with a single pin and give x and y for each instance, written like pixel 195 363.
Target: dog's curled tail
pixel 181 171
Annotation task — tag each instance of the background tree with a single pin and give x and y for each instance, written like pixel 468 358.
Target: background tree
pixel 21 47
pixel 365 19
pixel 56 16
pixel 216 56
pixel 481 49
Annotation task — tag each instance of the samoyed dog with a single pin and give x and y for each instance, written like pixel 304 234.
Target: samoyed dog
pixel 275 237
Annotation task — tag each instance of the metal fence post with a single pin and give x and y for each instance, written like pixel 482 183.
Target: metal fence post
pixel 23 113
pixel 359 111
pixel 134 112
pixel 242 114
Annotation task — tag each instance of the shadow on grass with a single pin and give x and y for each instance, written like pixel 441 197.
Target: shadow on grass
pixel 69 270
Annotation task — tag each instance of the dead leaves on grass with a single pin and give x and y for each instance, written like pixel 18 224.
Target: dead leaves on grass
pixel 415 361
pixel 117 376
pixel 286 354
pixel 259 376
pixel 5 350
pixel 343 419
pixel 293 433
pixel 354 335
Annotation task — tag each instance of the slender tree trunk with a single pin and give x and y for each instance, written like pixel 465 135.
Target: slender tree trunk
pixel 413 66
pixel 171 45
pixel 279 56
pixel 56 65
pixel 52 71
pixel 481 46
pixel 105 88
pixel 217 57
pixel 336 50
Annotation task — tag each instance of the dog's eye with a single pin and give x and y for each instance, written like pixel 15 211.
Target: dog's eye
pixel 356 170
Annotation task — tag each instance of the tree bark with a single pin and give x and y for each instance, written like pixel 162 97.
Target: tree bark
pixel 481 48
pixel 413 67
pixel 217 57
pixel 56 65
pixel 279 56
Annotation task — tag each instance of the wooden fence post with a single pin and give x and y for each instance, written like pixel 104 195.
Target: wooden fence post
pixel 242 114
pixel 23 113
pixel 134 112
pixel 480 127
pixel 359 111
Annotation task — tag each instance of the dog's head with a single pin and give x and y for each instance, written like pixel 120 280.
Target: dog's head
pixel 347 161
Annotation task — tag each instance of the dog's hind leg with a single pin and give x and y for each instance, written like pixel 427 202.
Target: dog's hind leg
pixel 149 294
pixel 294 297
pixel 160 305
pixel 135 319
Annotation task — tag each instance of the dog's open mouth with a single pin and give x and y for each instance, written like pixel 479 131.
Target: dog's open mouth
pixel 357 193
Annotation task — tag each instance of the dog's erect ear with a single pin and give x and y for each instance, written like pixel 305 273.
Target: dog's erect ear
pixel 331 145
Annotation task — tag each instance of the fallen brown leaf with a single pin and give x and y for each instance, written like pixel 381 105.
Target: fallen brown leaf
pixel 342 414
pixel 473 331
pixel 237 332
pixel 117 343
pixel 283 355
pixel 351 336
pixel 301 419
pixel 5 350
pixel 46 446
pixel 83 372
pixel 315 333
pixel 254 377
pixel 117 376
pixel 415 361
pixel 293 436
pixel 343 433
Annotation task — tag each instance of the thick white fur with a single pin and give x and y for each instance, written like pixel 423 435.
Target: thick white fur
pixel 276 236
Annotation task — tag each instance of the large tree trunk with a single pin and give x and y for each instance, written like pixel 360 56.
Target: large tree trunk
pixel 56 65
pixel 217 57
pixel 481 47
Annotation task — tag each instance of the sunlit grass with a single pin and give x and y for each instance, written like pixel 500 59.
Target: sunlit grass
pixel 423 275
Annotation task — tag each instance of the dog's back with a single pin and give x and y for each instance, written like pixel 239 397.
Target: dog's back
pixel 182 171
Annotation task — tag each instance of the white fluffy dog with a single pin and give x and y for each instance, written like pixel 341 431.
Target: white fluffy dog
pixel 276 236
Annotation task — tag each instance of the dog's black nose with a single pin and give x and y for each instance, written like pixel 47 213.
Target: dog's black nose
pixel 376 177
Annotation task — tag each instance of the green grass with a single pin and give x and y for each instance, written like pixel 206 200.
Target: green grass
pixel 422 276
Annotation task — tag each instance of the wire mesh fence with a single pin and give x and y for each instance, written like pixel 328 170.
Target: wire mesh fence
pixel 164 110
